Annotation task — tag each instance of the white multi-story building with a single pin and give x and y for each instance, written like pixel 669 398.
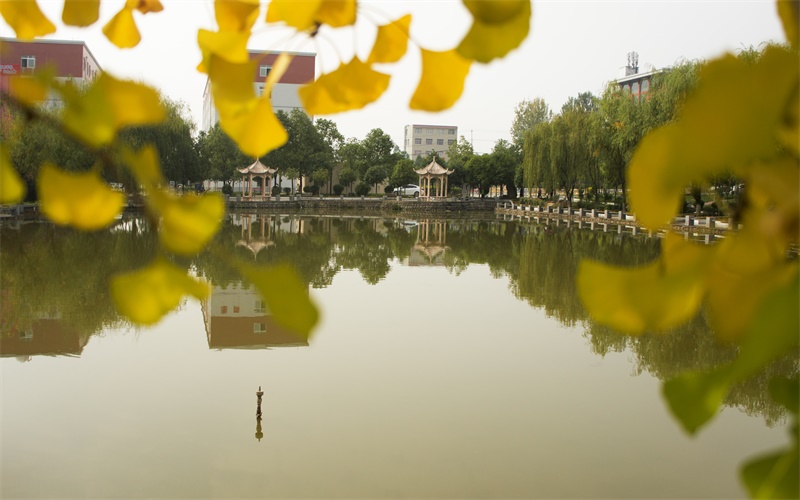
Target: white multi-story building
pixel 420 140
pixel 301 71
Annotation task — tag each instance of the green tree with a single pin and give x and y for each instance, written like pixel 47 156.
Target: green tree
pixel 375 175
pixel 334 141
pixel 403 173
pixel 527 115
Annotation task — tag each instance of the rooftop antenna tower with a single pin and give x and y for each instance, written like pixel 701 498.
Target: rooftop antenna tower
pixel 633 64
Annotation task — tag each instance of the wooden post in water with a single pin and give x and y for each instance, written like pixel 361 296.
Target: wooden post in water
pixel 259 394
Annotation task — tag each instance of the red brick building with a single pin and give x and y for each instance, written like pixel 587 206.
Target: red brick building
pixel 70 60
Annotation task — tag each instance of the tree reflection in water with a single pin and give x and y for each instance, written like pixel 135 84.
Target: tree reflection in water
pixel 55 294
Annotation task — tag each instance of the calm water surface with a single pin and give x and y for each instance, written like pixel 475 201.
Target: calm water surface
pixel 452 360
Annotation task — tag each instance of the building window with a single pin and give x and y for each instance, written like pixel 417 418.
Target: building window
pixel 428 141
pixel 645 85
pixel 263 71
pixel 224 310
pixel 417 130
pixel 28 62
pixel 440 141
pixel 261 306
pixel 235 309
pixel 450 141
pixel 418 141
pixel 451 131
pixel 429 131
pixel 417 151
pixel 259 328
pixel 635 88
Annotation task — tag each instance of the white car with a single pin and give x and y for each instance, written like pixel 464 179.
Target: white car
pixel 407 190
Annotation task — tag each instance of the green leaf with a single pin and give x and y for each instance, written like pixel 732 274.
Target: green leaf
pixel 286 296
pixel 694 397
pixel 772 332
pixel 773 476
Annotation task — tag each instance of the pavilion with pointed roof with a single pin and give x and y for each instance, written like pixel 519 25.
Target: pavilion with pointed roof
pixel 257 169
pixel 434 176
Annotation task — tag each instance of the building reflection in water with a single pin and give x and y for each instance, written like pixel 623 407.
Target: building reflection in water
pixel 47 336
pixel 431 245
pixel 235 315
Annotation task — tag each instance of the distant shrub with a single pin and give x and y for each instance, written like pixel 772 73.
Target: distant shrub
pixel 338 189
pixel 227 189
pixel 362 189
pixel 276 190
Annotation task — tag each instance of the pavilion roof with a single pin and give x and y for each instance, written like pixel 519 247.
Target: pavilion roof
pixel 433 168
pixel 257 168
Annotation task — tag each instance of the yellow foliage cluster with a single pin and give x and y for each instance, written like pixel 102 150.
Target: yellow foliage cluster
pixel 742 118
pixel 96 115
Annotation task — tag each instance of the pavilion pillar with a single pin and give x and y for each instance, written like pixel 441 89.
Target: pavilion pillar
pixel 263 187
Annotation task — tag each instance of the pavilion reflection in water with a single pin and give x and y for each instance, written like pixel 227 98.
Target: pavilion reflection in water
pixel 431 245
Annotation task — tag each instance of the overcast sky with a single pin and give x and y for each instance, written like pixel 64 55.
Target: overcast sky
pixel 573 46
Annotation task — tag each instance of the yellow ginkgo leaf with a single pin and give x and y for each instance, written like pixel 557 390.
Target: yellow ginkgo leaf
pixel 724 136
pixel 188 222
pixel 145 166
pixel 132 103
pixel 350 86
pixel 442 81
pixel 121 30
pixel 228 45
pixel 80 12
pixel 279 67
pixel 26 19
pixel 299 15
pixel 675 288
pixel 391 42
pixel 30 91
pixel 336 13
pixel 109 105
pixel 496 11
pixel 488 40
pixel 81 200
pixel 12 188
pixel 712 136
pixel 735 297
pixel 655 203
pixel 147 294
pixel 231 85
pixel 236 15
pixel 145 6
pixel 286 296
pixel 256 132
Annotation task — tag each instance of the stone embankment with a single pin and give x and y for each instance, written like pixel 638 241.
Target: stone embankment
pixel 386 205
pixel 687 223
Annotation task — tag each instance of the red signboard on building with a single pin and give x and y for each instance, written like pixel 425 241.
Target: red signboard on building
pixel 9 69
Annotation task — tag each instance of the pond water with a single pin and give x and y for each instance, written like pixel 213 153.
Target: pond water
pixel 452 359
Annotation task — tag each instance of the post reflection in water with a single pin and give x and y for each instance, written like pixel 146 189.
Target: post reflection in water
pixel 395 375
